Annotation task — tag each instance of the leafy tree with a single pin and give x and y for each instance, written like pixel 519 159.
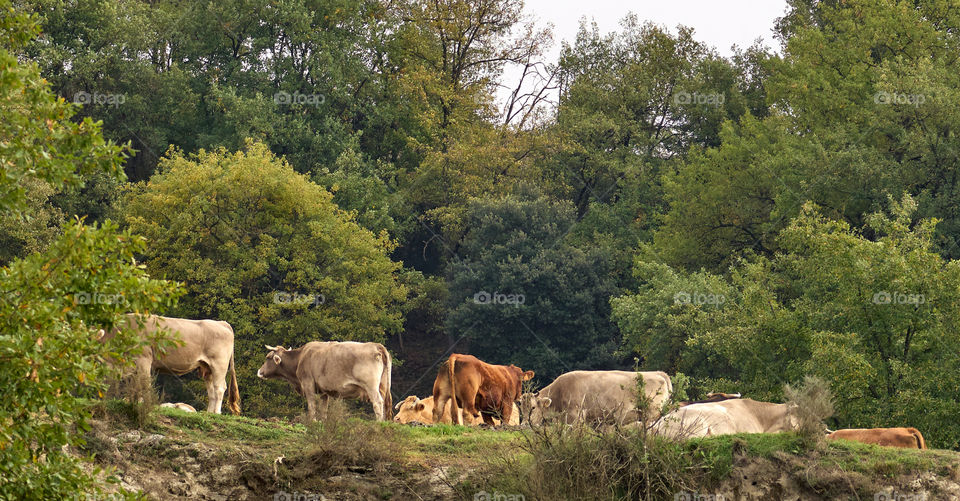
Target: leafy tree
pixel 261 247
pixel 522 295
pixel 51 361
pixel 874 317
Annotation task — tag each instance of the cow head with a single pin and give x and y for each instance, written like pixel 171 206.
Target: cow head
pixel 533 407
pixel 272 363
pixel 521 376
pixel 409 410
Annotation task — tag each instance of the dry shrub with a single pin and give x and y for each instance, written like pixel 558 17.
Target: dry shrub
pixel 131 398
pixel 342 440
pixel 814 403
pixel 581 462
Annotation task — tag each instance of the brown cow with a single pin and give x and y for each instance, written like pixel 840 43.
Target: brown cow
pixel 907 438
pixel 334 369
pixel 477 387
pixel 421 410
pixel 206 345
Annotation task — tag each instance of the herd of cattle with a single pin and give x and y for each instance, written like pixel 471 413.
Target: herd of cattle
pixel 470 391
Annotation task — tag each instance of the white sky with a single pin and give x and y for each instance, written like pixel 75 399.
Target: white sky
pixel 719 23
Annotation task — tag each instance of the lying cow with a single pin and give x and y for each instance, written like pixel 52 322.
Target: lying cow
pixel 179 405
pixel 477 387
pixel 414 409
pixel 907 438
pixel 741 415
pixel 597 397
pixel 711 397
pixel 206 345
pixel 334 369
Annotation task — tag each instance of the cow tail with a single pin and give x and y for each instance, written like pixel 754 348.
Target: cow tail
pixel 385 383
pixel 454 411
pixel 921 444
pixel 233 393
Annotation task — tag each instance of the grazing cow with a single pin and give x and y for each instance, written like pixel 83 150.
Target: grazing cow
pixel 414 409
pixel 334 369
pixel 179 405
pixel 597 397
pixel 907 438
pixel 742 415
pixel 206 345
pixel 477 387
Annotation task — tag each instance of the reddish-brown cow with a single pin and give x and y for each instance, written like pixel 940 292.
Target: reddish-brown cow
pixel 478 388
pixel 907 438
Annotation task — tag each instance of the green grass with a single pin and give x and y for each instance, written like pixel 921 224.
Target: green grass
pixel 233 427
pixel 447 439
pixel 875 460
pixel 717 452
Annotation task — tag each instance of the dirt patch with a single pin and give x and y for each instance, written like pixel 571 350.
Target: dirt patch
pixel 787 477
pixel 165 466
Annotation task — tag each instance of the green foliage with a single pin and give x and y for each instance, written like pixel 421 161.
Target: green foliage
pixel 51 354
pixel 875 318
pixel 53 301
pixel 263 248
pixel 522 295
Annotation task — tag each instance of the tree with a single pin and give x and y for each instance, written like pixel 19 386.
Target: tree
pixel 263 248
pixel 53 303
pixel 523 295
pixel 876 318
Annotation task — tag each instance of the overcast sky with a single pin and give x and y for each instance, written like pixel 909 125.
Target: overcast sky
pixel 719 23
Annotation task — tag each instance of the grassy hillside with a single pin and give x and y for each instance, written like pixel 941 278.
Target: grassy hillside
pixel 203 456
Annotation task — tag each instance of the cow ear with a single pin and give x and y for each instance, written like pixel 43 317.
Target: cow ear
pixel 277 359
pixel 418 406
pixel 545 402
pixel 527 376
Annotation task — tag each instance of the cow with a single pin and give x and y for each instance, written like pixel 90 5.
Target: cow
pixel 206 345
pixel 421 410
pixel 179 405
pixel 711 397
pixel 742 415
pixel 335 369
pixel 907 438
pixel 478 388
pixel 597 397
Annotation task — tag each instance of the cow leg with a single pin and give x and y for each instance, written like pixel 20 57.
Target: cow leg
pixel 506 411
pixel 439 404
pixel 470 405
pixel 324 405
pixel 216 380
pixel 309 394
pixel 377 401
